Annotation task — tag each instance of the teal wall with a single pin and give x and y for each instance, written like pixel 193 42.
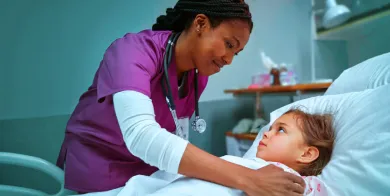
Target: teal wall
pixel 331 58
pixel 373 43
pixel 51 48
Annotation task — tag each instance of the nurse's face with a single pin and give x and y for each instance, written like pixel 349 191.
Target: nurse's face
pixel 216 47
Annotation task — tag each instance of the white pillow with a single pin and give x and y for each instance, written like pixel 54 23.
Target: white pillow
pixel 360 164
pixel 368 74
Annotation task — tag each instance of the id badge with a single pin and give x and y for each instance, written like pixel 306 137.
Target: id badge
pixel 184 124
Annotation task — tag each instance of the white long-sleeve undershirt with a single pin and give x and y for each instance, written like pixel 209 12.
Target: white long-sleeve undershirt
pixel 143 136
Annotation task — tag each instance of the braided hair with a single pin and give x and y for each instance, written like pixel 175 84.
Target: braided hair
pixel 181 16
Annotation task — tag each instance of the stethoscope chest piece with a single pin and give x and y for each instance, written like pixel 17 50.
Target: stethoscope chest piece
pixel 199 125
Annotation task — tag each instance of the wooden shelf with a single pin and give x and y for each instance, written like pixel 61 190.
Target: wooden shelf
pixel 282 89
pixel 243 136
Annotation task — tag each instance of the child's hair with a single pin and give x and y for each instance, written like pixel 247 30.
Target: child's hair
pixel 318 132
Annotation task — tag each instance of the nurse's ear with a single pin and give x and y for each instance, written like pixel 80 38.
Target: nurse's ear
pixel 201 23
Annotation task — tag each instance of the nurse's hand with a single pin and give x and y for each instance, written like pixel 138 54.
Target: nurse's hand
pixel 274 181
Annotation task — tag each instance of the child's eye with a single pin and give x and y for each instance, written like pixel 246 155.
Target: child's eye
pixel 229 45
pixel 281 130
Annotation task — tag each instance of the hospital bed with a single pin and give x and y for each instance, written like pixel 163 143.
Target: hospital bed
pixel 361 161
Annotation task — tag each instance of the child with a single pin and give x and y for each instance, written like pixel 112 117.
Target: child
pixel 299 143
pixel 303 142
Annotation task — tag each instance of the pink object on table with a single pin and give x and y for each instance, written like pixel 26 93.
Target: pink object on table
pixel 253 86
pixel 261 80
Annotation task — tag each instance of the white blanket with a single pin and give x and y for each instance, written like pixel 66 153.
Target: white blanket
pixel 164 184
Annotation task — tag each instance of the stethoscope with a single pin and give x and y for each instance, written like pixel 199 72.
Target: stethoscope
pixel 198 125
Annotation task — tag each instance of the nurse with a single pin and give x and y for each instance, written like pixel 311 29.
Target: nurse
pixel 123 126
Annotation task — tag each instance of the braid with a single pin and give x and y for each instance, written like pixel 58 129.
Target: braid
pixel 174 20
pixel 180 17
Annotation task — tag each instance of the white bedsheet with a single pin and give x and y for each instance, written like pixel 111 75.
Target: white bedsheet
pixel 164 184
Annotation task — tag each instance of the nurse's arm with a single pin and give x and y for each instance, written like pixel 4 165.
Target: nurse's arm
pixel 145 139
pixel 143 136
pixel 202 165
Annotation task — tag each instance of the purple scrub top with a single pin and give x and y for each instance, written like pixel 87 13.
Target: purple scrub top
pixel 96 156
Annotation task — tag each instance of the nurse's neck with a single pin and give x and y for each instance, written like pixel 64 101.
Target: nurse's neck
pixel 183 58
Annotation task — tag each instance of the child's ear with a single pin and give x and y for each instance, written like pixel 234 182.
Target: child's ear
pixel 309 154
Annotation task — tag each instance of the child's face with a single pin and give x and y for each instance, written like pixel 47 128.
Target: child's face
pixel 283 143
